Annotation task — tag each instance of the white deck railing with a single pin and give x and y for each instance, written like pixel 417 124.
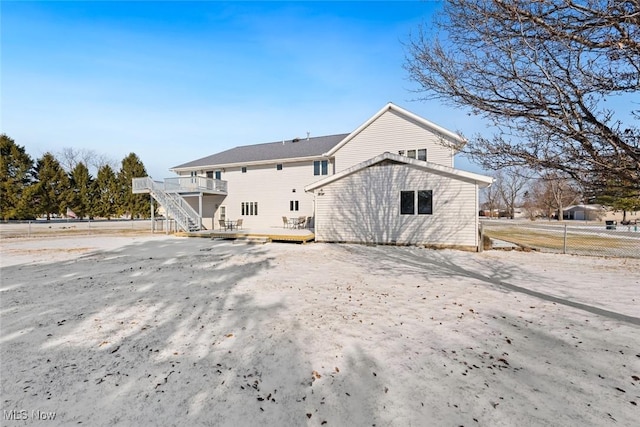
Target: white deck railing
pixel 144 185
pixel 194 183
pixel 180 184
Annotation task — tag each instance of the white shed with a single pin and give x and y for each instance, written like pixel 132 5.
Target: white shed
pixel 393 199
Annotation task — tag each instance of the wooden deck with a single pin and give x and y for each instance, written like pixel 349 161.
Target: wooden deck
pixel 259 235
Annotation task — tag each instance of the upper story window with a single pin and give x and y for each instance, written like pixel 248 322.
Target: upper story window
pixel 214 175
pixel 279 167
pixel 420 153
pixel 321 167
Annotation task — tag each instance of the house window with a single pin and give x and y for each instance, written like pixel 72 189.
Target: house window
pixel 425 202
pixel 244 169
pixel 218 174
pixel 249 208
pixel 420 154
pixel 321 167
pixel 210 174
pixel 293 205
pixel 423 199
pixel 279 167
pixel 407 203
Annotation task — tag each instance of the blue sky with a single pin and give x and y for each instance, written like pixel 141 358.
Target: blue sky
pixel 176 81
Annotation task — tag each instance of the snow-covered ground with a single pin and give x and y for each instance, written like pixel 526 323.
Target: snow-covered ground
pixel 160 330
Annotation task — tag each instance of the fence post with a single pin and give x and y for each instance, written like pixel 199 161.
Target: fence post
pixel 29 233
pixel 564 245
pixel 481 245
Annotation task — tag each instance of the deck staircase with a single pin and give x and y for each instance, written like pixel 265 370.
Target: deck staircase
pixel 174 205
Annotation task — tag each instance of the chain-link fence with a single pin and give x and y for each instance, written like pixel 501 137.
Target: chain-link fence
pixel 566 237
pixel 42 228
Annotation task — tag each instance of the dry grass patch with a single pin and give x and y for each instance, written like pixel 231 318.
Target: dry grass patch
pixel 555 240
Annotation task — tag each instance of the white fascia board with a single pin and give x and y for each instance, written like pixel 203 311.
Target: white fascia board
pixel 390 106
pixel 481 180
pixel 254 163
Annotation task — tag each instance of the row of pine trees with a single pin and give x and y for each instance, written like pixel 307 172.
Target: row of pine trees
pixel 44 188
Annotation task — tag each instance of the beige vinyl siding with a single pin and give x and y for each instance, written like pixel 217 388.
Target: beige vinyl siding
pixel 365 207
pixel 272 189
pixel 392 132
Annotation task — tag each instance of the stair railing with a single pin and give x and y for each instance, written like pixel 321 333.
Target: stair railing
pixel 173 208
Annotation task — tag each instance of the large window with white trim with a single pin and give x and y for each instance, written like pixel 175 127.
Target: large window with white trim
pixel 419 154
pixel 425 202
pixel 249 208
pixel 321 167
pixel 416 202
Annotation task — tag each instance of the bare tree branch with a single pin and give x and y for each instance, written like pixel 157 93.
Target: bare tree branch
pixel 540 72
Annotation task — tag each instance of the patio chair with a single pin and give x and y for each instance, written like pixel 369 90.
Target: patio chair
pixel 223 224
pixel 239 224
pixel 285 222
pixel 301 221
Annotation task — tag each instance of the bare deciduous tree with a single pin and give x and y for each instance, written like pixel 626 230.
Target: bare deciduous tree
pixel 551 194
pixel 540 72
pixel 511 183
pixel 490 197
pixel 70 158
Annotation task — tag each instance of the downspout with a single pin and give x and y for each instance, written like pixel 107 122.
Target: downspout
pixel 315 217
pixel 479 230
pixel 478 227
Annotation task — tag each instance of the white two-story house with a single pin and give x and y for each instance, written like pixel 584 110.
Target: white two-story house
pixel 391 180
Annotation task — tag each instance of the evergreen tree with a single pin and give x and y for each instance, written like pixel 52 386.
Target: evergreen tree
pixel 135 205
pixel 81 188
pixel 16 168
pixel 617 196
pixel 105 193
pixel 51 191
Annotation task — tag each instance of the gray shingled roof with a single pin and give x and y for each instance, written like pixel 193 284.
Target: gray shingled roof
pixel 270 151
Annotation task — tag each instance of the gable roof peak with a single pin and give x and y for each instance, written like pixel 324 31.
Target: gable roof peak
pixel 406 113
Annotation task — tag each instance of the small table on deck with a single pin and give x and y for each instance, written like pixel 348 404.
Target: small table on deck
pixel 293 222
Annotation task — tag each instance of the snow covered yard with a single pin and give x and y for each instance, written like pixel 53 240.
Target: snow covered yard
pixel 158 330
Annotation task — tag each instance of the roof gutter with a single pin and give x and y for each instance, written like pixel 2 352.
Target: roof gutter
pixel 249 163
